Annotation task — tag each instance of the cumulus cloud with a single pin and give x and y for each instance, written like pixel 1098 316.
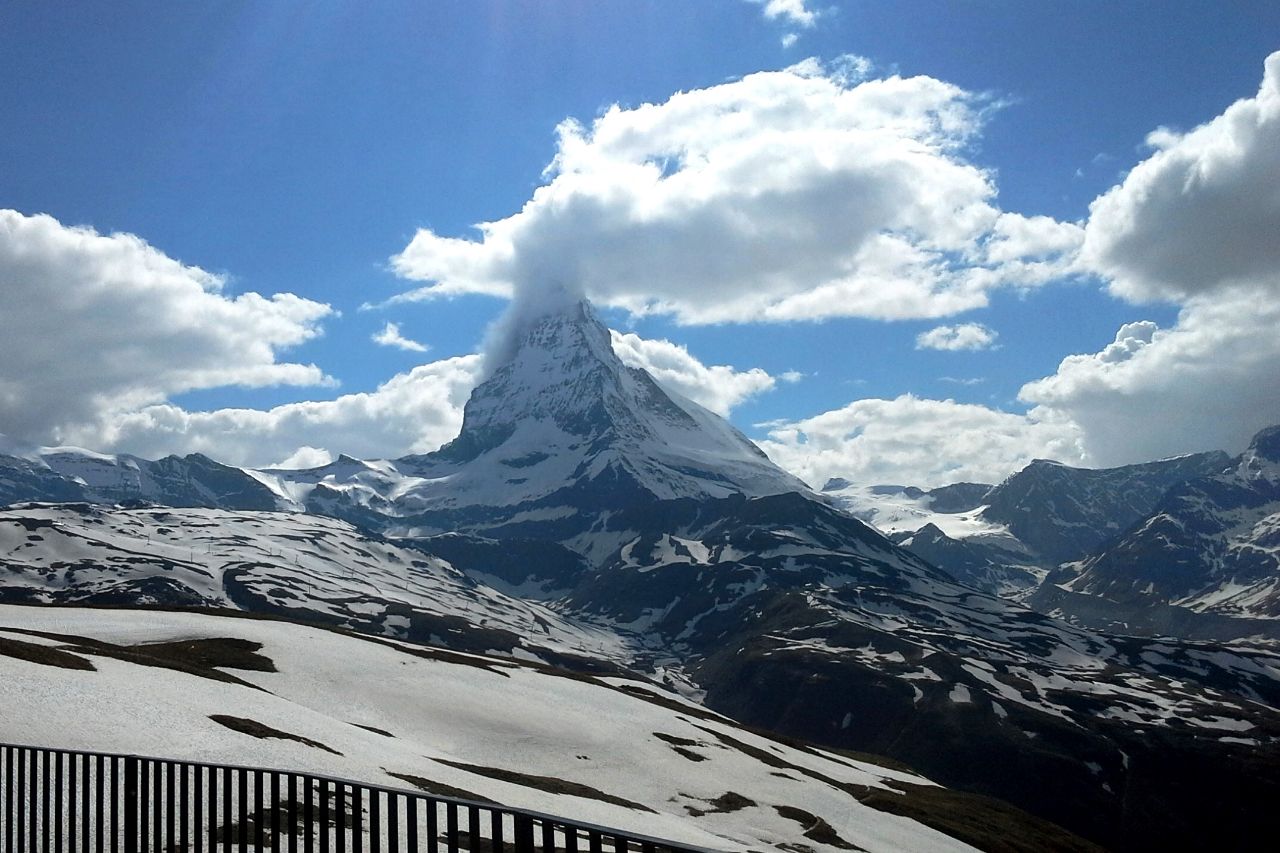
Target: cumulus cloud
pixel 920 442
pixel 718 387
pixel 966 336
pixel 787 195
pixel 1209 382
pixel 1196 223
pixel 390 336
pixel 1202 212
pixel 796 12
pixel 413 412
pixel 97 324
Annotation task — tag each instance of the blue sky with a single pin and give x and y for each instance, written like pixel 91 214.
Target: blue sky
pixel 296 149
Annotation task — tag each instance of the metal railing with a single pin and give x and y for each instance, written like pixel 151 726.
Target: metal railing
pixel 70 801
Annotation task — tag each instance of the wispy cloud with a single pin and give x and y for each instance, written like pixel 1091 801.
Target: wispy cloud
pixel 390 337
pixel 966 336
pixel 794 12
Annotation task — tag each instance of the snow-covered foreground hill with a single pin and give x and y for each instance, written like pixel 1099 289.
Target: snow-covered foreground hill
pixel 609 750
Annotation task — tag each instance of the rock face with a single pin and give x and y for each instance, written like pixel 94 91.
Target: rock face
pixel 1205 562
pixel 975 562
pixel 1064 513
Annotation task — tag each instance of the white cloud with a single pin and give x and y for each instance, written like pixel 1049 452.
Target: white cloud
pixel 97 324
pixel 796 12
pixel 718 387
pixel 789 39
pixel 390 337
pixel 787 195
pixel 1209 382
pixel 413 412
pixel 913 441
pixel 966 336
pixel 304 457
pixel 1197 222
pixel 1202 212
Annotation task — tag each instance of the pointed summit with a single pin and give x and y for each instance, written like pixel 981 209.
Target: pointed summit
pixel 561 415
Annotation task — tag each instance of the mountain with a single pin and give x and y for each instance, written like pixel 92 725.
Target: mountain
pixel 581 489
pixel 1205 562
pixel 985 563
pixel 559 426
pixel 1063 513
pixel 797 618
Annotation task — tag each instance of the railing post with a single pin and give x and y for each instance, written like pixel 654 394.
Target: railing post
pixel 131 803
pixel 524 834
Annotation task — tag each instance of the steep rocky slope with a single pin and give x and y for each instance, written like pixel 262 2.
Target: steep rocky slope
pixel 1206 562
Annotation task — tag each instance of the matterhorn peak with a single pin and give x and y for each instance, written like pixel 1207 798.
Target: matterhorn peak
pixel 559 411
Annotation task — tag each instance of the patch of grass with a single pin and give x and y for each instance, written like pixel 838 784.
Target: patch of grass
pixel 253 728
pixel 727 802
pixel 815 828
pixel 439 789
pixel 680 745
pixel 200 657
pixel 674 740
pixel 985 822
pixel 46 655
pixel 550 784
pixel 689 754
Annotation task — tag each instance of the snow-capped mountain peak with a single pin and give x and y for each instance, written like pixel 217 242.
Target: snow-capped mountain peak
pixel 1261 461
pixel 562 411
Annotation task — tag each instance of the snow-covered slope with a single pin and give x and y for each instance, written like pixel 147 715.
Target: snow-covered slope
pixel 301 566
pixel 603 750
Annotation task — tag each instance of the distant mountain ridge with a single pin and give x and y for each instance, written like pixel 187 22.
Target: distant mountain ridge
pixel 1205 562
pixel 1005 538
pixel 73 474
pixel 1063 513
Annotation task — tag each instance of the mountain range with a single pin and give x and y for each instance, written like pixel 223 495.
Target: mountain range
pixel 991 637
